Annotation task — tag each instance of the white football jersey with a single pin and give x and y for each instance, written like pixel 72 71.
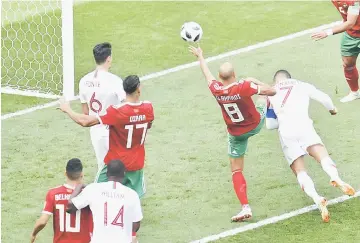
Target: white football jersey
pixel 291 105
pixel 101 89
pixel 114 208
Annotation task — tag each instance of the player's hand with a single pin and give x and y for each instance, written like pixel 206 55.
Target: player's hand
pixel 64 105
pixel 196 51
pixel 333 112
pixel 319 35
pixel 32 238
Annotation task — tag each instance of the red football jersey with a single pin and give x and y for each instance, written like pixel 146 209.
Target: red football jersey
pixel 68 228
pixel 128 124
pixel 237 107
pixel 344 7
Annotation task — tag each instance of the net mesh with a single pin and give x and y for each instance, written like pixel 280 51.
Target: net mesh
pixel 31 51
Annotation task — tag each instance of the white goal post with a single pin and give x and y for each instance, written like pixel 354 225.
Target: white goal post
pixel 37 48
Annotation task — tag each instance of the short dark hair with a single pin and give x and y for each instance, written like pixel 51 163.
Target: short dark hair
pixel 131 83
pixel 74 168
pixel 115 168
pixel 101 52
pixel 282 71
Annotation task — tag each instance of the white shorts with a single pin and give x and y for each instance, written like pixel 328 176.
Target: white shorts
pixel 100 142
pixel 296 146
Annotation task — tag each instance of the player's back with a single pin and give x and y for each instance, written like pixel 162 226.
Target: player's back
pixel 127 135
pixel 115 208
pixel 101 89
pixel 291 105
pixel 238 108
pixel 68 228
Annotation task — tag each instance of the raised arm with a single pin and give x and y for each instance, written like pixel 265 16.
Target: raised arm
pixel 81 119
pixel 204 68
pixel 264 89
pixel 352 15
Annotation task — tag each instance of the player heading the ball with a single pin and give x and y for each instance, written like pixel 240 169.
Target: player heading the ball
pixel 242 117
pixel 116 208
pixel 75 228
pixel 289 112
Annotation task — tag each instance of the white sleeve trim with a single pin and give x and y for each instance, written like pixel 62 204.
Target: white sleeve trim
pixel 354 10
pixel 46 212
pixel 259 90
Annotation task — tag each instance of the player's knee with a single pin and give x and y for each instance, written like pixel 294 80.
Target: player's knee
pixel 349 65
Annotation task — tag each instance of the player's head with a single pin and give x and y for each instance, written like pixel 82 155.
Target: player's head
pixel 102 53
pixel 281 75
pixel 131 85
pixel 74 169
pixel 115 170
pixel 226 72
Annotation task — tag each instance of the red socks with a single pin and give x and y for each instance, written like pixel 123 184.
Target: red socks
pixel 240 186
pixel 352 77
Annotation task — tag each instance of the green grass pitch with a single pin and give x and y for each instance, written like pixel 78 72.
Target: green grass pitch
pixel 190 193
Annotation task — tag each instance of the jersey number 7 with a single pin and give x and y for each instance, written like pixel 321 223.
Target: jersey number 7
pixel 288 88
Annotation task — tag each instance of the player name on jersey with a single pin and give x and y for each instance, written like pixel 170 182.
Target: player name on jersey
pixel 137 118
pixel 112 194
pixel 59 197
pixel 228 98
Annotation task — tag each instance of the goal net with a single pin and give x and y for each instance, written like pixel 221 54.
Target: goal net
pixel 37 48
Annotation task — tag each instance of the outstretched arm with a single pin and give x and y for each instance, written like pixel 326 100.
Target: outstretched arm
pixel 81 119
pixel 204 68
pixel 39 225
pixel 352 15
pixel 264 89
pixel 71 207
pixel 323 98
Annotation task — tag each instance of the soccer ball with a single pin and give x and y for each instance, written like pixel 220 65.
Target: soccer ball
pixel 191 32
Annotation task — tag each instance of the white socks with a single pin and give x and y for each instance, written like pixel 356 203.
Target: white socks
pixel 308 186
pixel 329 167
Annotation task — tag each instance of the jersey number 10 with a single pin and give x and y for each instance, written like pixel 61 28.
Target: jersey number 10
pixel 232 109
pixel 65 219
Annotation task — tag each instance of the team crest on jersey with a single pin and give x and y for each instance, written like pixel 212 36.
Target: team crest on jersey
pixel 226 91
pixel 136 110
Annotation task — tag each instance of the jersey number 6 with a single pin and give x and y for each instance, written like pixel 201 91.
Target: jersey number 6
pixel 95 105
pixel 233 109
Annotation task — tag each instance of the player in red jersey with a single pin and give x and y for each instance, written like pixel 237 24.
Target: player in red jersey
pixel 350 43
pixel 67 228
pixel 128 123
pixel 242 118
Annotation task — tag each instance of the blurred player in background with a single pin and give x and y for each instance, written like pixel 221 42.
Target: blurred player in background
pixel 67 228
pixel 116 209
pixel 288 112
pixel 350 43
pixel 242 118
pixel 99 90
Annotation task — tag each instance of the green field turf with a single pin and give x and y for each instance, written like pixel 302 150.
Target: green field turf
pixel 190 193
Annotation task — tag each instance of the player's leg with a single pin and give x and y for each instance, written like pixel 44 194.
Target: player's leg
pixel 320 154
pixel 136 181
pixel 236 150
pixel 307 185
pixel 349 52
pixel 100 142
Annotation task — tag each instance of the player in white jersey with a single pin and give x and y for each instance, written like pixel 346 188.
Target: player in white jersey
pixel 288 112
pixel 116 209
pixel 99 90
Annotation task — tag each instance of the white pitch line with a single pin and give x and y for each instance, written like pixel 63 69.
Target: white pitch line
pixel 271 220
pixel 193 64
